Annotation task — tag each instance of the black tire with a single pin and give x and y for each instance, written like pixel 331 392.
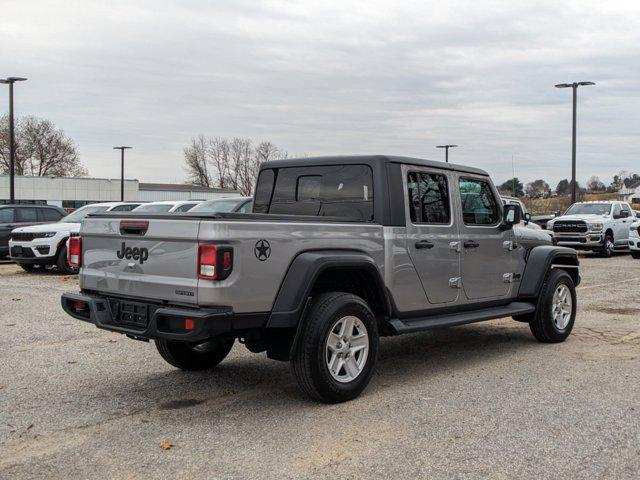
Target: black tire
pixel 607 247
pixel 309 358
pixel 28 267
pixel 62 264
pixel 635 254
pixel 542 325
pixel 190 356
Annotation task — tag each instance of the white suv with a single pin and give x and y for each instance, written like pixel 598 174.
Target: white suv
pixel 46 244
pixel 601 226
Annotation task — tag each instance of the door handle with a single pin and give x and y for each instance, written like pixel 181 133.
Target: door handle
pixel 471 244
pixel 424 244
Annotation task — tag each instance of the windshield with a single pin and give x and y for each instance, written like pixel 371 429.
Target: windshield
pixel 78 215
pixel 215 206
pixel 589 209
pixel 151 207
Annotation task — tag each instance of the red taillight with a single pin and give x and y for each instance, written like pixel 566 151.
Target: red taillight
pixel 215 262
pixel 189 324
pixel 74 252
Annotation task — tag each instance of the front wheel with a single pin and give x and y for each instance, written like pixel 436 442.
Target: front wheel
pixel 635 254
pixel 556 313
pixel 194 356
pixel 63 264
pixel 607 247
pixel 337 349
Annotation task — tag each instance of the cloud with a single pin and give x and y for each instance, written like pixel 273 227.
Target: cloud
pixel 333 77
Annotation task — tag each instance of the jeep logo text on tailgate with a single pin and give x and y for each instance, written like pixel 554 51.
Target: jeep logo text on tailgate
pixel 133 253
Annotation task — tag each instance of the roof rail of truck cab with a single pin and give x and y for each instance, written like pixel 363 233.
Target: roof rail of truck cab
pixel 370 160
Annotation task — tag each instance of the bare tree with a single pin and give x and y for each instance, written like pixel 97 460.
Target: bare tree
pixel 41 149
pixel 195 157
pixel 225 163
pixel 219 157
pixel 594 184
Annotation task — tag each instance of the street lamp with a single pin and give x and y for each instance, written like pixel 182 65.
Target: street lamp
pixel 446 151
pixel 122 149
pixel 575 86
pixel 12 143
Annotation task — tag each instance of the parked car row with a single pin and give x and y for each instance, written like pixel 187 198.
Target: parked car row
pixel 36 236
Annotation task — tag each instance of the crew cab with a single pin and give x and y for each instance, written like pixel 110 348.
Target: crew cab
pixel 337 252
pixel 43 245
pixel 601 226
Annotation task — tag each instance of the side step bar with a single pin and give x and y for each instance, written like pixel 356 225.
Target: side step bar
pixel 409 325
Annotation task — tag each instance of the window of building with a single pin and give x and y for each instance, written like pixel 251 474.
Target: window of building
pixel 479 205
pixel 428 198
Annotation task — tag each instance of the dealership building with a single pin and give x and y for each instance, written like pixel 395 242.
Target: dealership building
pixel 69 192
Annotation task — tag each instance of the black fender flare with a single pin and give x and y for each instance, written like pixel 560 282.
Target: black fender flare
pixel 295 289
pixel 539 261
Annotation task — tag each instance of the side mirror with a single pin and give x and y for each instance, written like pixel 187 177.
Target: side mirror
pixel 527 217
pixel 624 214
pixel 511 216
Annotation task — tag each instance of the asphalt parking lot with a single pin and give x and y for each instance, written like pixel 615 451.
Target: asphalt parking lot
pixel 477 401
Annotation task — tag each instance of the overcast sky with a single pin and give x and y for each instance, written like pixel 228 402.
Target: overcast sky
pixel 333 77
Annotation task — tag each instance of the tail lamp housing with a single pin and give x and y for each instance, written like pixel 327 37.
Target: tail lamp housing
pixel 215 262
pixel 74 252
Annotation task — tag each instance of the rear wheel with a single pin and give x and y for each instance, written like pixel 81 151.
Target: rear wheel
pixel 607 247
pixel 194 356
pixel 336 353
pixel 556 313
pixel 63 264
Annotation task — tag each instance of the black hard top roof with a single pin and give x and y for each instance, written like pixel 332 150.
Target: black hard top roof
pixel 370 159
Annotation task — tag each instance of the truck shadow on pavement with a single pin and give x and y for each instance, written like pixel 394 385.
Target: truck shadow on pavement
pixel 246 380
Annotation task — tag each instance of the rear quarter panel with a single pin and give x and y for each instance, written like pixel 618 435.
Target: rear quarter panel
pixel 254 283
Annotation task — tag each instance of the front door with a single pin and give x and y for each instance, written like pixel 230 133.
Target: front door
pixel 487 260
pixel 432 233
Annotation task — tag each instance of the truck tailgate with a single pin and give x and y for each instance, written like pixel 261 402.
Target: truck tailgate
pixel 159 264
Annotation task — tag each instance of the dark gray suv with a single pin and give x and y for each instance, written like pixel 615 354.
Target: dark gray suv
pixel 14 216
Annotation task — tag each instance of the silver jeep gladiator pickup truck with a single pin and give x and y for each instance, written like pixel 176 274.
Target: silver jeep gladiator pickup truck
pixel 337 252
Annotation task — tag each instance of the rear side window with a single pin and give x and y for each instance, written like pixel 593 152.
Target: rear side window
pixel 335 191
pixel 264 189
pixel 428 198
pixel 49 215
pixel 6 215
pixel 479 206
pixel 27 215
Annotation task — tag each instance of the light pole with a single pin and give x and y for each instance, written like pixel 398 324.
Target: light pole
pixel 446 151
pixel 12 138
pixel 122 149
pixel 574 86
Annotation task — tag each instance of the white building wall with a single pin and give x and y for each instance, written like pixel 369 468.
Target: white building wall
pixel 56 189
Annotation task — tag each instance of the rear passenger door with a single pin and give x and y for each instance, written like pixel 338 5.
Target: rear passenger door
pixel 432 233
pixel 488 258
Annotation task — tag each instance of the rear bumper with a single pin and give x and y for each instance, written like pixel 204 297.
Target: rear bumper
pixel 162 322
